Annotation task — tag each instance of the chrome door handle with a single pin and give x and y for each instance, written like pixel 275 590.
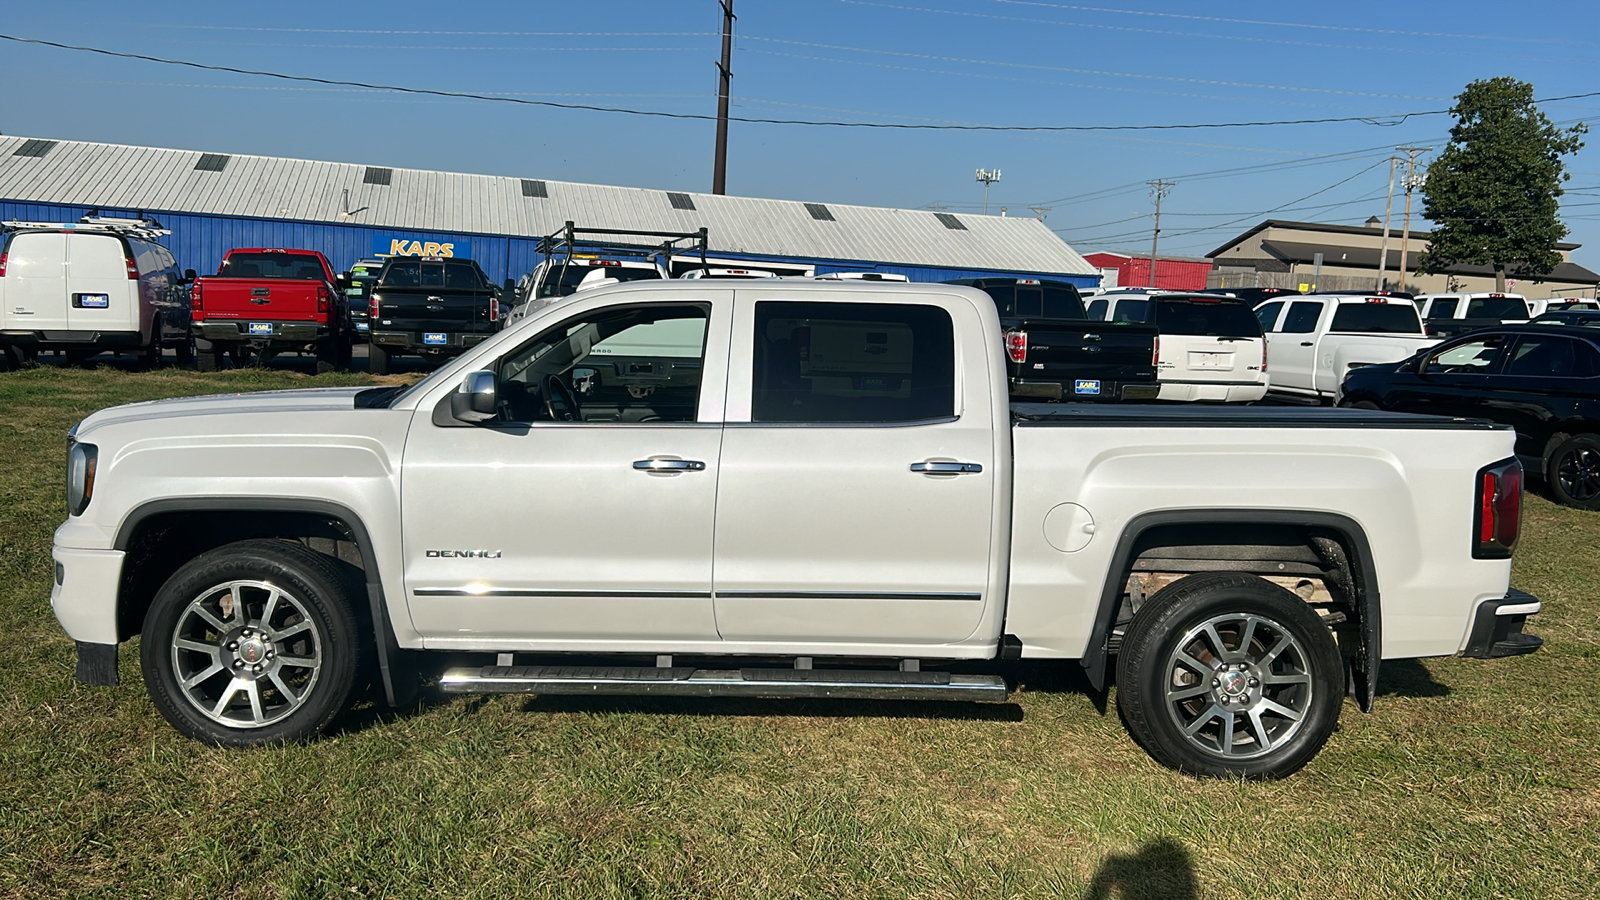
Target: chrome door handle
pixel 669 465
pixel 946 468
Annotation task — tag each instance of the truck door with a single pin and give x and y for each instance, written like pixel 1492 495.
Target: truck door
pixel 1292 348
pixel 857 491
pixel 582 513
pixel 36 282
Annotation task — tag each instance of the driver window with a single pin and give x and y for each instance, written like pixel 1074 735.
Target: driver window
pixel 632 364
pixel 1471 358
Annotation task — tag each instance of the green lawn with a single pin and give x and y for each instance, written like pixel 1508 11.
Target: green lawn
pixel 1472 779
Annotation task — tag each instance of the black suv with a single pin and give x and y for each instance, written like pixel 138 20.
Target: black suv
pixel 1543 380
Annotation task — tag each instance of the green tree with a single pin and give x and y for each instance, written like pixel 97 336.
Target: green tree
pixel 1493 194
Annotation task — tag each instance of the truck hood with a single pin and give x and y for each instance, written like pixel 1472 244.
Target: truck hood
pixel 305 400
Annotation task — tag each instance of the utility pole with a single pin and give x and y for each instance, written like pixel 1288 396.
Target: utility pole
pixel 1158 189
pixel 1411 183
pixel 719 177
pixel 988 178
pixel 1388 210
pixel 1041 211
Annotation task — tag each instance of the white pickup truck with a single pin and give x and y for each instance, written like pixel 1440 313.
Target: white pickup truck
pixel 780 488
pixel 1314 340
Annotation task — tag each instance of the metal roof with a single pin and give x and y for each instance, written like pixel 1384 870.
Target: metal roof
pixel 113 175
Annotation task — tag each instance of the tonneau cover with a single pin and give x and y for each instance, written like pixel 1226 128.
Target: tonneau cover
pixel 1150 416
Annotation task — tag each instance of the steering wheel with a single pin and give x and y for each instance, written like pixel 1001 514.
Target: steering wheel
pixel 560 403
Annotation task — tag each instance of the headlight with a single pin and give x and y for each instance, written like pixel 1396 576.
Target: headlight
pixel 81 461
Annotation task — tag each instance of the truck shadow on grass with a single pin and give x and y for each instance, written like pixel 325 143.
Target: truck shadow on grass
pixel 1408 678
pixel 1161 870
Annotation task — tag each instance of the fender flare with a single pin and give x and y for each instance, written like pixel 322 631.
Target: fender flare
pixel 390 659
pixel 1363 570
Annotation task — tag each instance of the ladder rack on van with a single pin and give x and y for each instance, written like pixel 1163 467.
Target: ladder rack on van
pixel 147 229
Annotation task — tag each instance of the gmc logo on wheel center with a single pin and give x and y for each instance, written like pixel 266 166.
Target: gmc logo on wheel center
pixel 462 554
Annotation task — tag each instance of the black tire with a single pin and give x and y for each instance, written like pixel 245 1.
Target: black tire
pixel 79 357
pixel 377 360
pixel 1278 689
pixel 1359 404
pixel 328 354
pixel 185 350
pixel 272 623
pixel 151 355
pixel 18 357
pixel 1572 472
pixel 209 357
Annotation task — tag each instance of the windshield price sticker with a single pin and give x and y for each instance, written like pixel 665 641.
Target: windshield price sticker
pixel 1086 386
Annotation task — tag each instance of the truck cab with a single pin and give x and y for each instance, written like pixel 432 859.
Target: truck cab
pixel 1315 339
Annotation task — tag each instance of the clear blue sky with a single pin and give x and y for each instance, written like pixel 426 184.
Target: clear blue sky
pixel 1102 62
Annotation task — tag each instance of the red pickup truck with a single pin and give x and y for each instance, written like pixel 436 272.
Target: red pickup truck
pixel 263 301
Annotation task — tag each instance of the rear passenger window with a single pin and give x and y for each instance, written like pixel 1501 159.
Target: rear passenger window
pixel 1302 318
pixel 1267 314
pixel 1097 309
pixel 1550 356
pixel 1132 310
pixel 852 362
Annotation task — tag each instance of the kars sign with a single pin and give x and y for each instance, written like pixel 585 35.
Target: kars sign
pixel 405 246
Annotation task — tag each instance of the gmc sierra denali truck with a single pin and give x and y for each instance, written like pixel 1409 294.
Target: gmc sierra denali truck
pixel 780 488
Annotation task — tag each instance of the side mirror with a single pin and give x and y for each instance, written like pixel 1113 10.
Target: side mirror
pixel 477 399
pixel 189 275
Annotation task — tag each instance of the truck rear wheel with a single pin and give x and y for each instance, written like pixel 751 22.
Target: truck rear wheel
pixel 328 353
pixel 1224 674
pixel 252 643
pixel 377 360
pixel 209 357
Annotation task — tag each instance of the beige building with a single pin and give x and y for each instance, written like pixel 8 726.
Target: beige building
pixel 1278 253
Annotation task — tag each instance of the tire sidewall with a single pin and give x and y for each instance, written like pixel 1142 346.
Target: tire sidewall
pixel 1142 672
pixel 311 580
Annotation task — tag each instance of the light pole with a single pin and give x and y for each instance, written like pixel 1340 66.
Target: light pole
pixel 988 178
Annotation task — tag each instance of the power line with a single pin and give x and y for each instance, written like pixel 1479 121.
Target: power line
pixel 1393 119
pixel 1352 28
pixel 1043 68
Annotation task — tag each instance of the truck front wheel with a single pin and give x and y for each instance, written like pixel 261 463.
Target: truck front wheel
pixel 252 643
pixel 1224 674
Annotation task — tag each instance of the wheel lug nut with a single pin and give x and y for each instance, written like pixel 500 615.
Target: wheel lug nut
pixel 256 668
pixel 238 664
pixel 1255 682
pixel 270 654
pixel 233 645
pixel 1216 682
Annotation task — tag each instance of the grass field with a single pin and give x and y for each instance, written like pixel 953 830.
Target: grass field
pixel 1471 779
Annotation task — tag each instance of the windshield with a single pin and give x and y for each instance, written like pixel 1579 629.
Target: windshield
pixel 1496 308
pixel 1205 317
pixel 1376 318
pixel 272 265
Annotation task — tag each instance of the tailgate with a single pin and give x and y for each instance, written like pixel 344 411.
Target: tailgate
pixel 267 299
pixel 410 309
pixel 1067 350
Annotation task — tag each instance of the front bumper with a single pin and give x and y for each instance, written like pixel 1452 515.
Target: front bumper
pixel 1497 627
pixel 84 594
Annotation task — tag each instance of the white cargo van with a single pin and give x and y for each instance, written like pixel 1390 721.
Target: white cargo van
pixel 88 287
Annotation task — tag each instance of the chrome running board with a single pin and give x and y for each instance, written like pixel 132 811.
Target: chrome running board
pixel 683 681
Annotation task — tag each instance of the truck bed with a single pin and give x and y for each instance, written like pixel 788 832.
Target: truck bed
pixel 1056 415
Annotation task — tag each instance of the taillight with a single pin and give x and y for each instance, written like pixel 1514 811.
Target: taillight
pixel 197 303
pixel 494 309
pixel 1263 354
pixel 133 268
pixel 1155 352
pixel 372 309
pixel 1498 517
pixel 1017 346
pixel 324 298
pixel 3 264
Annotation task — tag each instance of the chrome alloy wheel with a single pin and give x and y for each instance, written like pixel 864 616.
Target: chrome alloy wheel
pixel 1579 473
pixel 1238 685
pixel 246 654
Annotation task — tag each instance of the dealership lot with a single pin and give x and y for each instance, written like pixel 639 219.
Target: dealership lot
pixel 1470 779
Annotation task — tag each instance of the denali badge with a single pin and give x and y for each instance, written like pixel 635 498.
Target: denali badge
pixel 462 554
